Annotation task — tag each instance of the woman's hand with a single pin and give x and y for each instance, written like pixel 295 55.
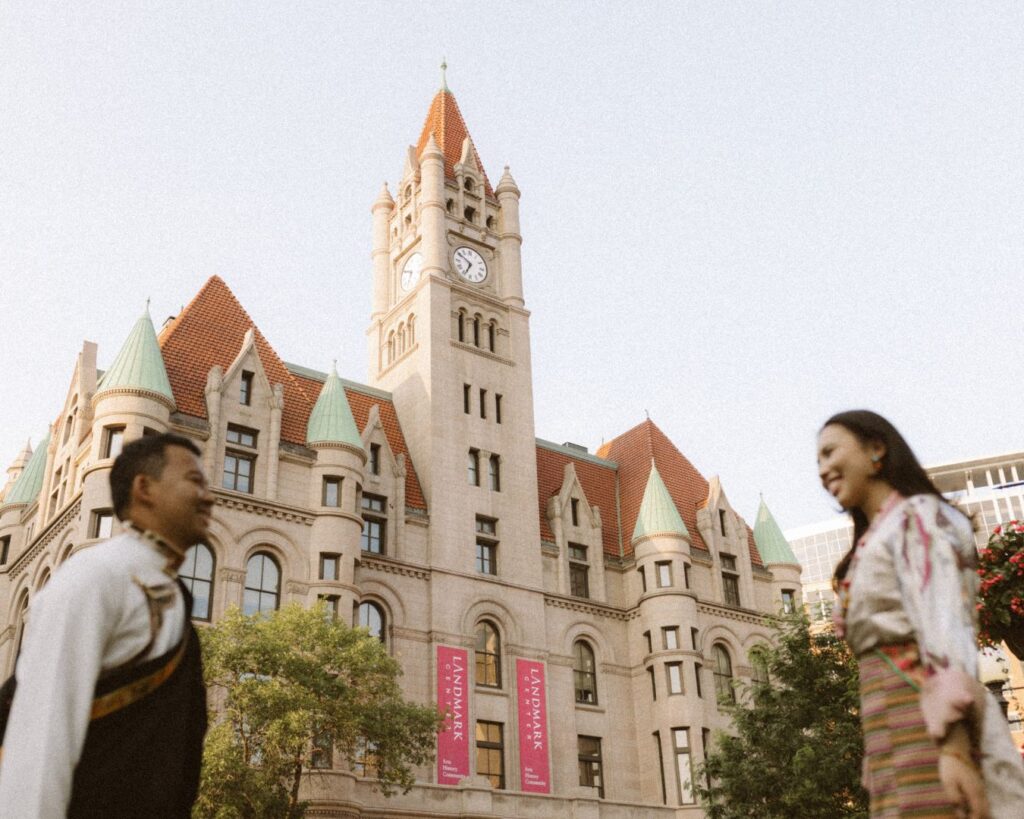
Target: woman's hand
pixel 964 787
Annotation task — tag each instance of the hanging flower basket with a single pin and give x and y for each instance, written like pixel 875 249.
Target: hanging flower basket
pixel 1001 605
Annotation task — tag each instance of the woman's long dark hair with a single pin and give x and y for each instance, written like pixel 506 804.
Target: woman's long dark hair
pixel 900 468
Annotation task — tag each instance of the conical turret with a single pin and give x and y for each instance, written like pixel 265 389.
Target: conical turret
pixel 331 421
pixel 139 366
pixel 771 543
pixel 26 488
pixel 658 514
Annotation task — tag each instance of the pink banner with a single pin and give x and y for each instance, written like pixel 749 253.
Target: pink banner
pixel 453 698
pixel 533 727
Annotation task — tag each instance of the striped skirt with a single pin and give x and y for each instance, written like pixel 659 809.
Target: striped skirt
pixel 901 762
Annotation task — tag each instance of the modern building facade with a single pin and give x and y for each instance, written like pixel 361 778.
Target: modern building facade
pixel 586 616
pixel 990 490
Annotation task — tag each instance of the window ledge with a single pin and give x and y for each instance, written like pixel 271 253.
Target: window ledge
pixel 584 706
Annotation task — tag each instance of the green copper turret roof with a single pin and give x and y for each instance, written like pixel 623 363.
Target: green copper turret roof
pixel 331 420
pixel 771 543
pixel 26 488
pixel 139 365
pixel 658 514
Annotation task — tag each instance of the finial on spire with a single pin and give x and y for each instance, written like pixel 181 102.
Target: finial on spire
pixel 444 68
pixel 334 366
pixel 147 305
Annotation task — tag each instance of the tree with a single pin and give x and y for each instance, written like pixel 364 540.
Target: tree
pixel 277 682
pixel 798 743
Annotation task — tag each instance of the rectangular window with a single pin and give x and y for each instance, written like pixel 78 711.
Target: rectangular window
pixel 684 765
pixel 661 766
pixel 374 459
pixel 490 752
pixel 323 751
pixel 5 549
pixel 788 601
pixel 574 509
pixel 647 640
pixel 330 602
pixel 113 440
pixel 721 521
pixel 579 571
pixel 483 403
pixel 494 472
pixel 328 566
pixel 486 545
pixel 366 761
pixel 694 638
pixel 591 774
pixel 331 493
pixel 241 436
pixel 497 407
pixel 670 638
pixel 730 580
pixel 374 524
pixel 654 685
pixel 486 557
pixel 664 574
pixel 643 579
pixel 698 669
pixel 473 467
pixel 674 677
pixel 238 469
pixel 467 392
pixel 102 523
pixel 245 388
pixel 686 575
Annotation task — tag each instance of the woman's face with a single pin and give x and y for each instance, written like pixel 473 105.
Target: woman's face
pixel 845 465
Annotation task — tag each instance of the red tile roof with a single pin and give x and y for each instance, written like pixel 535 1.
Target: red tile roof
pixel 633 452
pixel 445 122
pixel 210 331
pixel 598 483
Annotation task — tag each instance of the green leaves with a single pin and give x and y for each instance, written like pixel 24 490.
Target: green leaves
pixel 276 681
pixel 797 746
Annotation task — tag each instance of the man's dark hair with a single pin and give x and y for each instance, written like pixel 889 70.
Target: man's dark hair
pixel 145 456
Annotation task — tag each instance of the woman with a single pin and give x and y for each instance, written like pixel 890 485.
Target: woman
pixel 935 743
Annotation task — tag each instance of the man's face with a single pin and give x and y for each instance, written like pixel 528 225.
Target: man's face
pixel 179 500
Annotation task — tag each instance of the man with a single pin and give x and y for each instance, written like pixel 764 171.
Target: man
pixel 109 712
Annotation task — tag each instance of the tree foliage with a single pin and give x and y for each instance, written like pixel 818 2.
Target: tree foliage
pixel 278 680
pixel 797 746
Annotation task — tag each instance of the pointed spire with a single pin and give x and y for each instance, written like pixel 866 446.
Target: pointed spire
pixel 26 488
pixel 445 124
pixel 139 365
pixel 771 543
pixel 384 197
pixel 23 457
pixel 658 514
pixel 507 183
pixel 331 420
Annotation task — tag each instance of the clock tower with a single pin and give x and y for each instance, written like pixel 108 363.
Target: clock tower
pixel 449 339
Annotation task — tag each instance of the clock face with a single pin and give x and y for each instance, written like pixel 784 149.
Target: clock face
pixel 411 271
pixel 470 265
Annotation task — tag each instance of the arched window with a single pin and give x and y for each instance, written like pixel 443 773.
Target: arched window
pixel 67 552
pixel 476 331
pixel 372 617
pixel 408 192
pixel 391 346
pixel 492 333
pixel 488 655
pixel 449 206
pixel 584 672
pixel 467 184
pixel 197 574
pixel 22 613
pixel 462 325
pixel 262 584
pixel 401 338
pixel 490 222
pixel 724 691
pixel 759 664
pixel 411 324
pixel 44 579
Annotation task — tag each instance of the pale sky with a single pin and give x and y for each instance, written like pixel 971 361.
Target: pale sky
pixel 738 217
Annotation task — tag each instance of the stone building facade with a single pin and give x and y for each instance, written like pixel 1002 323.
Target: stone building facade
pixel 618 595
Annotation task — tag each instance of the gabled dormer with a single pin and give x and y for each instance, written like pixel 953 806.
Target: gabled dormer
pixel 576 525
